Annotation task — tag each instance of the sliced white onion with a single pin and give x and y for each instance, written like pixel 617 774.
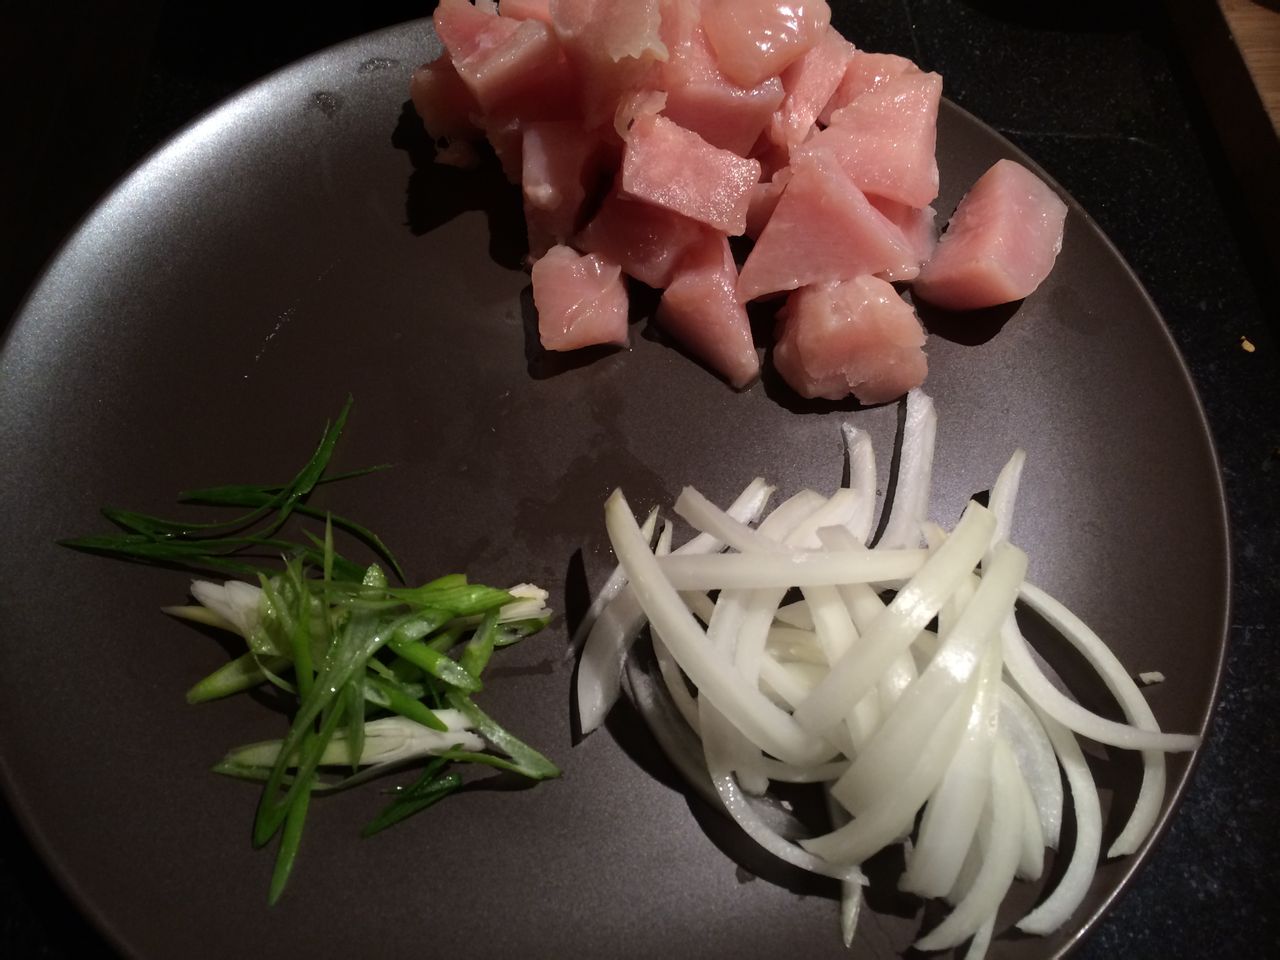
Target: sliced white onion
pixel 1036 760
pixel 883 824
pixel 1151 794
pixel 951 817
pixel 890 754
pixel 915 471
pixel 1004 494
pixel 795 615
pixel 611 588
pixel 716 737
pixel 750 710
pixel 1076 879
pixel 842 689
pixel 620 621
pixel 755 571
pixel 1031 860
pixel 862 480
pixel 1041 690
pixel 999 862
pixel 911 610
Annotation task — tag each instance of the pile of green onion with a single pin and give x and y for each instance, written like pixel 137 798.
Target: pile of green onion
pixel 383 675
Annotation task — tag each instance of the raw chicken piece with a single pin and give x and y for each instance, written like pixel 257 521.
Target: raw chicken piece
pixel 646 240
pixel 865 72
pixel 758 39
pixel 764 200
pixel 558 161
pixel 810 83
pixel 773 156
pixel 823 229
pixel 855 337
pixel 518 72
pixel 886 138
pixel 581 301
pixel 702 312
pixel 526 9
pixel 466 29
pixel 614 46
pixel 674 168
pixel 917 225
pixel 507 139
pixel 638 103
pixel 1000 244
pixel 443 101
pixel 700 97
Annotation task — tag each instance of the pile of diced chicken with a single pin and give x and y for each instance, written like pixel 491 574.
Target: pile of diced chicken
pixel 646 133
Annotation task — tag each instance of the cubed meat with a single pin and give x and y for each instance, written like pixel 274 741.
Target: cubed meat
pixel 857 337
pixel 863 73
pixel 701 98
pixel 647 241
pixel 823 229
pixel 558 161
pixel 758 39
pixel 581 300
pixel 700 310
pixel 810 83
pixel 443 101
pixel 886 139
pixel 1000 244
pixel 674 168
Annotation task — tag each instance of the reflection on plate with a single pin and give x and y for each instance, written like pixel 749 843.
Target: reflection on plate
pixel 284 251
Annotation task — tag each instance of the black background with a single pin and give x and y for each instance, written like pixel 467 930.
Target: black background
pixel 1109 97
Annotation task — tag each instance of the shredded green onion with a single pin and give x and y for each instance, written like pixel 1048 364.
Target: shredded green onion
pixel 382 675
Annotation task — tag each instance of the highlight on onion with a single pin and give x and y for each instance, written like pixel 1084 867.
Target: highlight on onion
pixel 897 678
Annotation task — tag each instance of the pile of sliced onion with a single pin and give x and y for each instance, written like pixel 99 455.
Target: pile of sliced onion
pixel 929 700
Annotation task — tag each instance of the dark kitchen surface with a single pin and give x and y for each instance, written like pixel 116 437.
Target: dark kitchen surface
pixel 1100 94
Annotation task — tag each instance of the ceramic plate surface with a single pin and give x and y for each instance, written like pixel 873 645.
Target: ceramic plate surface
pixel 295 245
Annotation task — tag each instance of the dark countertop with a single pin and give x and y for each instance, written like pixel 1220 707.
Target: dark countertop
pixel 1100 94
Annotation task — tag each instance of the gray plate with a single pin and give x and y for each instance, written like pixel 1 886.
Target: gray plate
pixel 218 306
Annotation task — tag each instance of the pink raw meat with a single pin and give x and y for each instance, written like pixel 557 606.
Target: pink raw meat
pixel 764 200
pixel 526 9
pixel 701 98
pixel 646 240
pixel 855 337
pixel 810 83
pixel 443 101
pixel 507 139
pixel 773 156
pixel 865 72
pixel 614 46
pixel 917 225
pixel 823 229
pixel 1000 244
pixel 558 160
pixel 702 312
pixel 758 39
pixel 674 168
pixel 466 29
pixel 519 72
pixel 581 301
pixel 886 138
